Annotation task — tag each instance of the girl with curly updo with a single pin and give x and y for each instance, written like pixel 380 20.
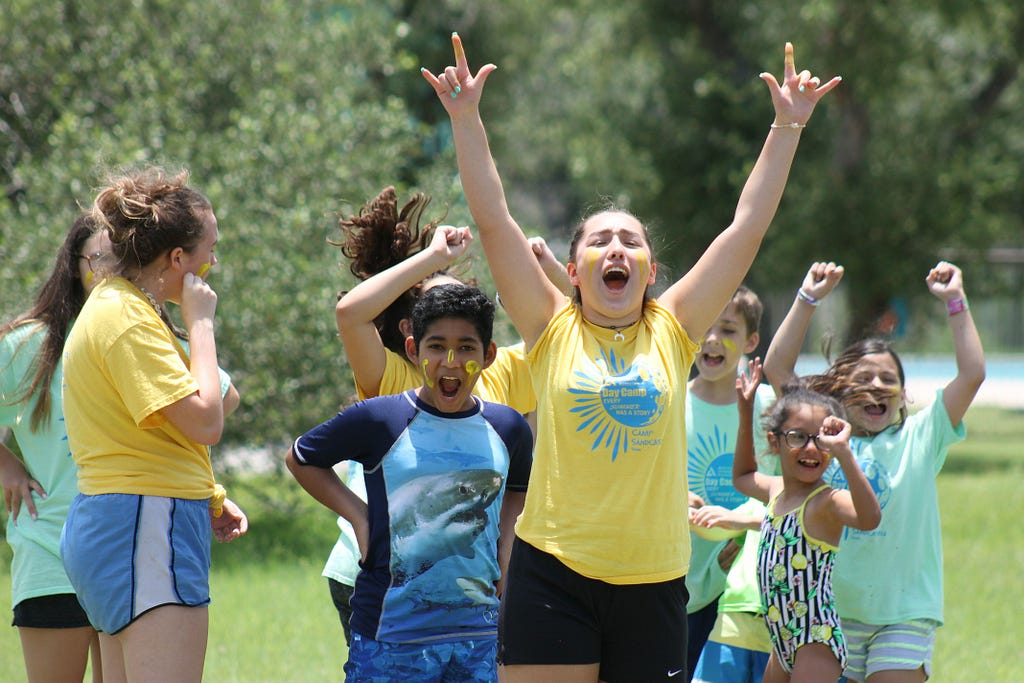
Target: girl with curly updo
pixel 141 415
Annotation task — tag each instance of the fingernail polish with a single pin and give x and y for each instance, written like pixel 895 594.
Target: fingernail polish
pixel 454 94
pixel 801 88
pixel 458 89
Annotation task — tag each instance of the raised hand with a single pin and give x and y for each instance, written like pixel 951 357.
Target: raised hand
pixel 945 281
pixel 795 98
pixel 747 383
pixel 457 87
pixel 451 242
pixel 835 431
pixel 198 300
pixel 821 279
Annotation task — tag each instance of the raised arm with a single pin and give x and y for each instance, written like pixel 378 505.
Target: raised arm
pixel 529 298
pixel 200 416
pixel 745 476
pixel 780 359
pixel 945 281
pixel 700 295
pixel 857 507
pixel 356 311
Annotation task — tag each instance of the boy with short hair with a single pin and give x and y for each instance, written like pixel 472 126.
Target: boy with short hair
pixel 712 421
pixel 446 476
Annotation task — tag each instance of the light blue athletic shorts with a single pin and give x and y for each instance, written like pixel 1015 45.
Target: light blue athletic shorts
pixel 721 663
pixel 894 647
pixel 459 661
pixel 128 554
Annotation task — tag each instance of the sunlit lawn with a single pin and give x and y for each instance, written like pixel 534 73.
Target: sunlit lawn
pixel 272 619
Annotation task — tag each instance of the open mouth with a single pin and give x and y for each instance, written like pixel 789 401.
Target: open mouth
pixel 809 463
pixel 449 386
pixel 616 277
pixel 712 360
pixel 876 410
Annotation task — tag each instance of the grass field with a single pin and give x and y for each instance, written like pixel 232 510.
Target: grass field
pixel 272 619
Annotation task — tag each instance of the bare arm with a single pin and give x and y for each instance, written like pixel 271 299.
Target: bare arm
pixel 232 399
pixel 858 507
pixel 324 485
pixel 553 268
pixel 511 507
pixel 780 359
pixel 745 476
pixel 199 416
pixel 18 484
pixel 356 311
pixel 529 297
pixel 700 295
pixel 945 281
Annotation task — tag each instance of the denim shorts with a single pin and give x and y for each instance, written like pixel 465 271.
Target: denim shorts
pixel 465 661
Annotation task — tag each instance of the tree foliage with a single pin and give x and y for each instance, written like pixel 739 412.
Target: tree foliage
pixel 288 113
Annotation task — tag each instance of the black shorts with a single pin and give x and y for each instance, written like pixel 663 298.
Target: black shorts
pixel 50 611
pixel 553 615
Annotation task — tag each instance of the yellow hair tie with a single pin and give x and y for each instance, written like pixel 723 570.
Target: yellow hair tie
pixel 220 494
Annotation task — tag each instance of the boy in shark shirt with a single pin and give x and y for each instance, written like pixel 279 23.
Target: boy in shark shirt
pixel 446 477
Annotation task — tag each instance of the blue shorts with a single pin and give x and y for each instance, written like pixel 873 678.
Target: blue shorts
pixel 454 661
pixel 128 554
pixel 895 647
pixel 720 663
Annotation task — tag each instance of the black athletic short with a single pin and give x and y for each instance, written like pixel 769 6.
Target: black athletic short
pixel 553 615
pixel 50 611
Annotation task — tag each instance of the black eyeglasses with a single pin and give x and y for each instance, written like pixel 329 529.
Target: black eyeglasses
pixel 89 257
pixel 794 438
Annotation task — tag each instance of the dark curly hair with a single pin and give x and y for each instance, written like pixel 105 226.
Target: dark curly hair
pixel 380 236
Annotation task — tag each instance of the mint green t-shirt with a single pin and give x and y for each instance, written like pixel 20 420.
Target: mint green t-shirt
pixel 343 562
pixel 711 441
pixel 893 574
pixel 36 569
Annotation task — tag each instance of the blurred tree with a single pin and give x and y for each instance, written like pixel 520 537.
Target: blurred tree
pixel 289 112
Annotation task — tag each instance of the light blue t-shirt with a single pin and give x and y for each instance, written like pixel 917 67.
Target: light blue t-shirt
pixel 710 442
pixel 343 562
pixel 893 574
pixel 36 569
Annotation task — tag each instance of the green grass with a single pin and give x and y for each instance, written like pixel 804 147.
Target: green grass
pixel 272 619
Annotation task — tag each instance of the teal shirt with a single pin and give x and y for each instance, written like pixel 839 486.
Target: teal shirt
pixel 710 442
pixel 893 574
pixel 36 568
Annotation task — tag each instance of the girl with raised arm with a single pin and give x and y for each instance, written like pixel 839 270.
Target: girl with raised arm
pixel 596 588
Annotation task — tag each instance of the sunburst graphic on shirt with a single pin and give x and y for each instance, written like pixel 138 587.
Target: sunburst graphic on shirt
pixel 615 399
pixel 709 468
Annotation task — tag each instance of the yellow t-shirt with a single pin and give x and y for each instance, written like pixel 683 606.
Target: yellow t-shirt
pixel 506 380
pixel 607 492
pixel 121 366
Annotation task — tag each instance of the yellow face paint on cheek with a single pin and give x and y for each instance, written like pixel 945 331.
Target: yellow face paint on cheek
pixel 644 264
pixel 89 276
pixel 426 377
pixel 203 270
pixel 472 367
pixel 590 259
pixel 729 344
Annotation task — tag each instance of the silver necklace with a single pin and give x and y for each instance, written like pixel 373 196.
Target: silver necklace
pixel 152 299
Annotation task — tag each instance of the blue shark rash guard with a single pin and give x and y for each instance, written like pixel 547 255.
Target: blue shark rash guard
pixel 434 486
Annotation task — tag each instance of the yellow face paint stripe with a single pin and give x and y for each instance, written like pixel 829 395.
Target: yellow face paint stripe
pixel 426 377
pixel 729 344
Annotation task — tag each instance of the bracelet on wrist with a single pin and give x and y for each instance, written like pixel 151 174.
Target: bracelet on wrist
pixel 954 306
pixel 791 124
pixel 807 298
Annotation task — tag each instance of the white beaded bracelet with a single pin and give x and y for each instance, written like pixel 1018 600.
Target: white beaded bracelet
pixel 792 124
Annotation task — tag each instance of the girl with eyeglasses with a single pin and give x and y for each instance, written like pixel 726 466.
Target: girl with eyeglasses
pixel 891 610
pixel 802 526
pixel 38 487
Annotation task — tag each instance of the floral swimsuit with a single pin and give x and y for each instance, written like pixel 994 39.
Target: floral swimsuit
pixel 794 572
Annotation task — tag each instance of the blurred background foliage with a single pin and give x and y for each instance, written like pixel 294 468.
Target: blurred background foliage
pixel 290 113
